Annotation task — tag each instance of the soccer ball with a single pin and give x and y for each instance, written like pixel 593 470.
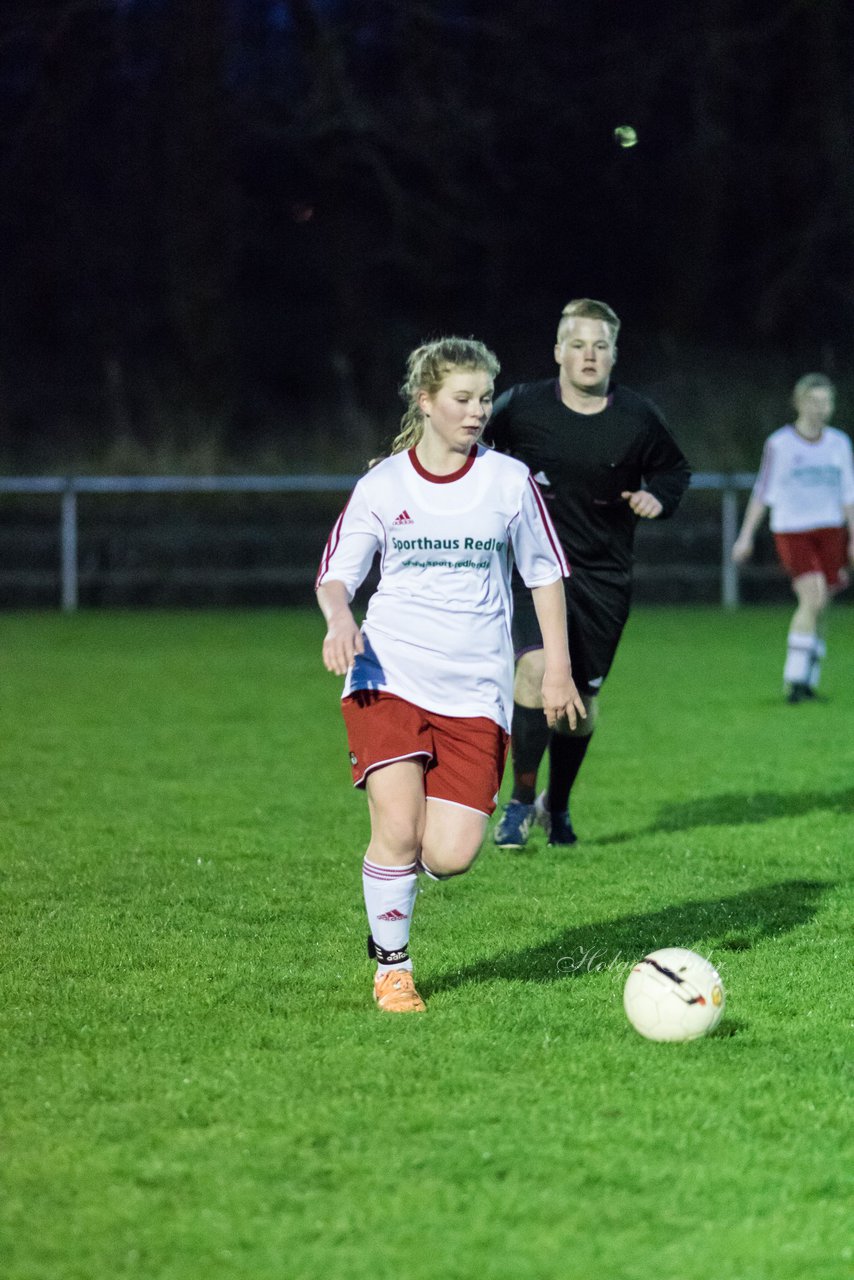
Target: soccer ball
pixel 673 994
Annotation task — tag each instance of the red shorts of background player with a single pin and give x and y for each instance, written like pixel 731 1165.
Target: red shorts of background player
pixel 463 756
pixel 815 551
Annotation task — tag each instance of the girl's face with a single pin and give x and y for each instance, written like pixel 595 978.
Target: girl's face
pixel 816 406
pixel 457 414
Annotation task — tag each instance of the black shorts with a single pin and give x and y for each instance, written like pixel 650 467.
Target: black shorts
pixel 597 607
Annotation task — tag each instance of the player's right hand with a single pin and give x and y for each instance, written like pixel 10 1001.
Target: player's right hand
pixel 742 549
pixel 342 643
pixel 562 701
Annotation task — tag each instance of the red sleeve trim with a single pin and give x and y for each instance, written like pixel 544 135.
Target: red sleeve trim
pixel 550 529
pixel 331 546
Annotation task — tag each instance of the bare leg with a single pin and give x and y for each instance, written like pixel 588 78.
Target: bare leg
pixel 408 832
pixel 398 810
pixel 390 879
pixel 813 597
pixel 453 835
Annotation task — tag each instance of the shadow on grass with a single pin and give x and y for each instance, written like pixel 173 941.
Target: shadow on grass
pixel 736 809
pixel 711 926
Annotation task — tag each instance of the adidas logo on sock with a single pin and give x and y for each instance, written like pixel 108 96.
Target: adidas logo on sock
pixel 394 914
pixel 403 518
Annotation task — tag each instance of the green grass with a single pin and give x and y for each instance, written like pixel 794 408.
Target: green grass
pixel 193 1082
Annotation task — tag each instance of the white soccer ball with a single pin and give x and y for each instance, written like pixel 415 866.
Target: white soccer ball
pixel 673 994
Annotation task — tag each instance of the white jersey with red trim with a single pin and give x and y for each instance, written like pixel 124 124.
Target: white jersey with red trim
pixel 806 483
pixel 437 630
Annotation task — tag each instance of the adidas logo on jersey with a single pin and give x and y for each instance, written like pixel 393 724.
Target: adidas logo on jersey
pixel 403 518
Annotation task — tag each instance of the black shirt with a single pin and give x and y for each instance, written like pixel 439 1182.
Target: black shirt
pixel 583 462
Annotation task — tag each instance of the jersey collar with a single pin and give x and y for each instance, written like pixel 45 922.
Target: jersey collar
pixel 455 475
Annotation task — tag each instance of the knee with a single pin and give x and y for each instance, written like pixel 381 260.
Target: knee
pixel 449 861
pixel 812 592
pixel 397 837
pixel 527 688
pixel 583 728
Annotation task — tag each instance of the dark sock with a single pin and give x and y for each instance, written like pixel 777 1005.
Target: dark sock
pixel 530 739
pixel 565 757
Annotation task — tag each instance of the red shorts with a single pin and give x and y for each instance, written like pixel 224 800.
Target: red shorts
pixel 463 756
pixel 815 551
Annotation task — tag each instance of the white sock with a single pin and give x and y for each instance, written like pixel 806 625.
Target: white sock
pixel 799 657
pixel 389 899
pixel 819 652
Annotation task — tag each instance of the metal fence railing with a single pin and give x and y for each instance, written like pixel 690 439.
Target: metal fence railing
pixel 69 488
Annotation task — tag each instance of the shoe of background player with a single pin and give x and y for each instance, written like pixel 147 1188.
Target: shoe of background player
pixel 557 826
pixel 514 826
pixel 806 693
pixel 394 992
pixel 799 693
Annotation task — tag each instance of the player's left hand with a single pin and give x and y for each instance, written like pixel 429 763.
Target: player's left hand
pixel 644 504
pixel 561 700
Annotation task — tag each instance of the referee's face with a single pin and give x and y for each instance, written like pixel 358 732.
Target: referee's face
pixel 586 354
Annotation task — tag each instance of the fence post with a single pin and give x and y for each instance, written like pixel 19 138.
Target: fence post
pixel 729 532
pixel 68 547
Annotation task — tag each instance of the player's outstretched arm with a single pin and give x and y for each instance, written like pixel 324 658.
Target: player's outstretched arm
pixel 343 638
pixel 561 699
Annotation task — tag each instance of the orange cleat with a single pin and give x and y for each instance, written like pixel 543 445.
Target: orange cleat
pixel 395 992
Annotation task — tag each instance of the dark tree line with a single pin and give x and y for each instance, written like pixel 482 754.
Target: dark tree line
pixel 228 220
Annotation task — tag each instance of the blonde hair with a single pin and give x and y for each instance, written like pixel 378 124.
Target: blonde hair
pixel 426 370
pixel 810 382
pixel 588 309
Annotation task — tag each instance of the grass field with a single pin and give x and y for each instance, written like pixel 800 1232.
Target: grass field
pixel 195 1085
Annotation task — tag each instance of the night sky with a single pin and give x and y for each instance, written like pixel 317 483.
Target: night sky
pixel 228 221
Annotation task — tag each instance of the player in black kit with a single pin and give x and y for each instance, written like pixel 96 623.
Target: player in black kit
pixel 603 458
